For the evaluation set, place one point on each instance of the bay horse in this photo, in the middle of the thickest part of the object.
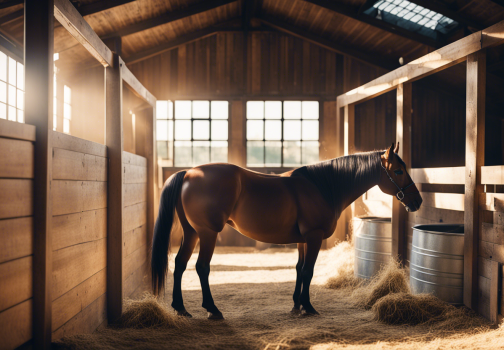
(301, 206)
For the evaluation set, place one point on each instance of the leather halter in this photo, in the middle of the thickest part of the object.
(399, 195)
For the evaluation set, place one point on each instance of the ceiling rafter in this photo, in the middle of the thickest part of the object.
(353, 12)
(169, 17)
(330, 45)
(10, 3)
(498, 2)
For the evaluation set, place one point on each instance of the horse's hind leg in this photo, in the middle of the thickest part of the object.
(208, 239)
(297, 291)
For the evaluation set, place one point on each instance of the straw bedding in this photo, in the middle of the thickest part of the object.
(254, 292)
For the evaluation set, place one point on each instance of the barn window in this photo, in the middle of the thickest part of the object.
(282, 133)
(192, 132)
(11, 89)
(67, 109)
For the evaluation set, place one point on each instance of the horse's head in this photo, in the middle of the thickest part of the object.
(395, 181)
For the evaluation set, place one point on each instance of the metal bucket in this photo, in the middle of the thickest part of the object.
(437, 261)
(372, 244)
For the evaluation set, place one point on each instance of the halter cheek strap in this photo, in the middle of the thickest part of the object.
(399, 195)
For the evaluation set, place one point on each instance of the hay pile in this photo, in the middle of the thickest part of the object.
(338, 272)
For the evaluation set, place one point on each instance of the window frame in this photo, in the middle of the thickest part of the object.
(18, 60)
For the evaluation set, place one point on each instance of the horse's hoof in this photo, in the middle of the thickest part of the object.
(295, 311)
(183, 313)
(309, 312)
(215, 316)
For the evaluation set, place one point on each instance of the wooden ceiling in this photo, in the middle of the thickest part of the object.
(149, 27)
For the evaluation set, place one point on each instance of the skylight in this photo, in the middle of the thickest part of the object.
(411, 16)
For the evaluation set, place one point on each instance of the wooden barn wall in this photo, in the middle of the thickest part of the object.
(79, 227)
(134, 222)
(16, 228)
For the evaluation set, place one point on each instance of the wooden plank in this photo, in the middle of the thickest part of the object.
(133, 261)
(16, 325)
(16, 287)
(453, 175)
(135, 216)
(16, 159)
(491, 201)
(73, 265)
(16, 198)
(485, 267)
(136, 85)
(431, 63)
(72, 143)
(492, 175)
(70, 165)
(134, 159)
(494, 292)
(435, 215)
(115, 146)
(135, 193)
(135, 174)
(86, 321)
(483, 293)
(450, 201)
(349, 130)
(135, 239)
(77, 26)
(79, 228)
(78, 298)
(492, 233)
(15, 130)
(135, 280)
(76, 196)
(39, 77)
(441, 188)
(16, 238)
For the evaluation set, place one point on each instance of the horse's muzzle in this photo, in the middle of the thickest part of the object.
(414, 205)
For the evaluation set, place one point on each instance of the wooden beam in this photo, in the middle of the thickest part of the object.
(115, 145)
(71, 19)
(498, 2)
(403, 136)
(353, 12)
(12, 47)
(136, 85)
(439, 7)
(327, 44)
(168, 17)
(475, 159)
(11, 16)
(431, 63)
(39, 39)
(98, 6)
(449, 176)
(10, 3)
(494, 291)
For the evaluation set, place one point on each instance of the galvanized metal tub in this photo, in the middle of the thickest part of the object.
(437, 261)
(372, 244)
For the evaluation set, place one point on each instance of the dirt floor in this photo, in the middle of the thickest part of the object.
(253, 289)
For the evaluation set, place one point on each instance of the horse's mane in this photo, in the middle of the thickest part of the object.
(341, 180)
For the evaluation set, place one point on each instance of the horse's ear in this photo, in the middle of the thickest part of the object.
(390, 153)
(396, 149)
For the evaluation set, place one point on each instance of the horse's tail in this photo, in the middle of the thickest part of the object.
(162, 230)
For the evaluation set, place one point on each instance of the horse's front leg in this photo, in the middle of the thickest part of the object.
(297, 291)
(313, 244)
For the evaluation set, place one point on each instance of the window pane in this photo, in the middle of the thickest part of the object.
(292, 130)
(161, 109)
(183, 154)
(255, 129)
(66, 126)
(201, 152)
(255, 150)
(219, 130)
(67, 111)
(20, 99)
(310, 152)
(162, 149)
(255, 110)
(162, 130)
(3, 66)
(20, 116)
(182, 130)
(12, 113)
(292, 153)
(201, 109)
(67, 95)
(219, 152)
(310, 109)
(310, 130)
(201, 130)
(182, 109)
(273, 109)
(273, 130)
(12, 71)
(3, 111)
(220, 109)
(273, 153)
(3, 92)
(292, 110)
(20, 76)
(12, 96)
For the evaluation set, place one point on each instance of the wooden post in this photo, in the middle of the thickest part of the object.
(237, 145)
(115, 144)
(403, 136)
(494, 291)
(39, 63)
(348, 148)
(150, 154)
(475, 159)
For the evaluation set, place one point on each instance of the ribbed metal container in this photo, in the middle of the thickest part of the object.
(437, 261)
(372, 244)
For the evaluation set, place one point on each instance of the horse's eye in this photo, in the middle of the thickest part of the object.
(398, 172)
